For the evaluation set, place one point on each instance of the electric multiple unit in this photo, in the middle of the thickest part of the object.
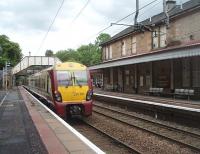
(66, 86)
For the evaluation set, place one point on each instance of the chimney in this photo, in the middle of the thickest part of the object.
(170, 4)
(181, 4)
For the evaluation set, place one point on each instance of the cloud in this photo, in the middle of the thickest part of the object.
(26, 21)
(27, 15)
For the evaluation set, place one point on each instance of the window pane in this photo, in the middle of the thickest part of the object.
(163, 36)
(80, 78)
(110, 52)
(133, 44)
(107, 54)
(155, 35)
(155, 42)
(162, 40)
(64, 78)
(123, 48)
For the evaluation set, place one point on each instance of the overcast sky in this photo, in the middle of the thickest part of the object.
(27, 21)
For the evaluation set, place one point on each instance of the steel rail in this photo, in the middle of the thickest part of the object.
(149, 131)
(109, 136)
(113, 138)
(150, 121)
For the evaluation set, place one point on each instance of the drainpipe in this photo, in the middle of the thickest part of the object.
(166, 13)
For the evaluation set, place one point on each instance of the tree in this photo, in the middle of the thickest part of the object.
(103, 37)
(49, 53)
(67, 55)
(10, 51)
(86, 54)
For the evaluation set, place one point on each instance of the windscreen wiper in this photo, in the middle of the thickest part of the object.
(80, 85)
(67, 85)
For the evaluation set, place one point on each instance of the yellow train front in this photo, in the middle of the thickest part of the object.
(67, 86)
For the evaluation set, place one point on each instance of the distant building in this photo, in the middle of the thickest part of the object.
(153, 55)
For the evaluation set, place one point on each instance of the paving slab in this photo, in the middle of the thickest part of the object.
(18, 133)
(50, 128)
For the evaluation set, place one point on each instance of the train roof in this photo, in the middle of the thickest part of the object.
(66, 66)
(69, 66)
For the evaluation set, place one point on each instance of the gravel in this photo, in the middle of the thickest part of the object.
(143, 141)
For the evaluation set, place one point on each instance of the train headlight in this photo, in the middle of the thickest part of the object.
(57, 96)
(89, 95)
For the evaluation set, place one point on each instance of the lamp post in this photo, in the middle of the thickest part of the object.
(3, 78)
(6, 70)
(1, 51)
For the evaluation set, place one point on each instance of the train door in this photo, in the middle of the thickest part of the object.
(49, 91)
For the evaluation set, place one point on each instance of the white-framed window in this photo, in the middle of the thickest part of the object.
(159, 37)
(107, 52)
(123, 48)
(155, 35)
(163, 31)
(110, 52)
(104, 53)
(133, 50)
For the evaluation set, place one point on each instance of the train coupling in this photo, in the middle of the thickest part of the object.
(75, 110)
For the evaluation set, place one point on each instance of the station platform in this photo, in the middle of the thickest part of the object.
(156, 106)
(27, 126)
(156, 100)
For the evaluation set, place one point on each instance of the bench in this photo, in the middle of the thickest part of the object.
(184, 92)
(109, 87)
(155, 91)
(114, 87)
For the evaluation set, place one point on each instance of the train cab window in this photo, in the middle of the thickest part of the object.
(80, 78)
(64, 78)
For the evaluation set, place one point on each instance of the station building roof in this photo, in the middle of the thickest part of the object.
(176, 11)
(183, 51)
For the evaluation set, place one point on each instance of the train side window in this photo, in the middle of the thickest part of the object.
(48, 84)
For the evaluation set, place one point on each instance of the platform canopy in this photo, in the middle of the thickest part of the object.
(165, 54)
(32, 64)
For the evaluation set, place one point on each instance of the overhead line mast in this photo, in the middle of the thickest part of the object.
(137, 12)
(102, 30)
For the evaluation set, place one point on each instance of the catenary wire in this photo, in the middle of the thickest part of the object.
(138, 17)
(102, 30)
(76, 17)
(79, 13)
(124, 18)
(45, 36)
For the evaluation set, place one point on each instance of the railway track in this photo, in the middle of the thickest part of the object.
(111, 143)
(88, 129)
(183, 137)
(102, 139)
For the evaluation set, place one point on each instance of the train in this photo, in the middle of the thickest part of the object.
(66, 87)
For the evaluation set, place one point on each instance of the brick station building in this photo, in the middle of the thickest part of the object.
(153, 54)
